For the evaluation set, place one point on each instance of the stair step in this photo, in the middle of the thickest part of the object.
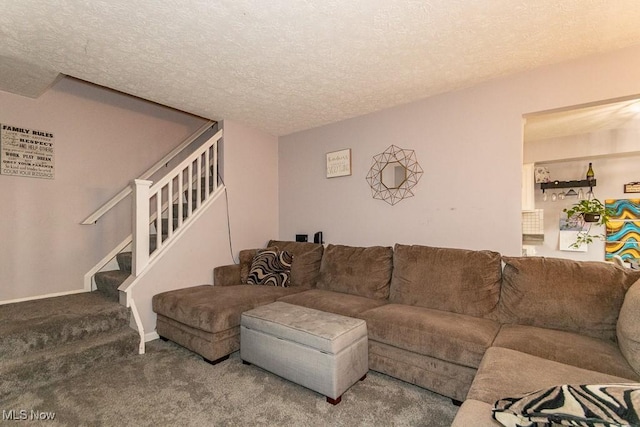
(124, 261)
(203, 180)
(203, 189)
(184, 210)
(47, 366)
(165, 224)
(31, 326)
(108, 282)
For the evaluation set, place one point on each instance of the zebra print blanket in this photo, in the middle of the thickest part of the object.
(600, 405)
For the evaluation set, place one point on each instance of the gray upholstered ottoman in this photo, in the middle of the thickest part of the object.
(322, 351)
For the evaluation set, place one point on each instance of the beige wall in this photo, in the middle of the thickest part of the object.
(251, 176)
(469, 144)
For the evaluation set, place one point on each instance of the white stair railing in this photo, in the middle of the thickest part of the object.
(187, 187)
(190, 187)
(107, 206)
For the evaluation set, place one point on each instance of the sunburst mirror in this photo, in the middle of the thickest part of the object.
(393, 174)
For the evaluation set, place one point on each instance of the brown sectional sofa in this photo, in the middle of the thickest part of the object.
(471, 325)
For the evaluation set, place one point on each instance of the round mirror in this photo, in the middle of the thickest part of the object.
(393, 175)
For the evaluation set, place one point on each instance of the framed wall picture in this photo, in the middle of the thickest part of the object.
(541, 174)
(339, 163)
(632, 187)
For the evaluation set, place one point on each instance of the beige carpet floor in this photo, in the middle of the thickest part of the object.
(171, 386)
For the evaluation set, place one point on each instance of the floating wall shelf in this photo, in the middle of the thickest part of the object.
(567, 184)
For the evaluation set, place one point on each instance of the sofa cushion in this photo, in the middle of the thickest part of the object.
(226, 275)
(446, 378)
(505, 372)
(566, 347)
(305, 268)
(475, 413)
(628, 327)
(333, 302)
(458, 280)
(270, 267)
(577, 296)
(444, 335)
(214, 308)
(358, 271)
(246, 258)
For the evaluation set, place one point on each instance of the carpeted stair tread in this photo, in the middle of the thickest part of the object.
(38, 324)
(124, 261)
(108, 282)
(70, 359)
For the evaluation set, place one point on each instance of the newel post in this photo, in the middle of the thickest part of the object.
(140, 221)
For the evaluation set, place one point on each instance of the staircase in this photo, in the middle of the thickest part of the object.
(44, 341)
(108, 282)
(47, 340)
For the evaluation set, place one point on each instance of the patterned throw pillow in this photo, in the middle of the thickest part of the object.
(271, 267)
(600, 405)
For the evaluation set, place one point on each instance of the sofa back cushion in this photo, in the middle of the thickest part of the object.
(358, 271)
(457, 280)
(577, 296)
(246, 258)
(305, 268)
(628, 328)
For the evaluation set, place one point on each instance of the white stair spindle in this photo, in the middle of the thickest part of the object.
(207, 173)
(198, 180)
(190, 189)
(170, 208)
(180, 195)
(215, 165)
(158, 220)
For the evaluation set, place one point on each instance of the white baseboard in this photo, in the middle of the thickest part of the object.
(151, 336)
(58, 294)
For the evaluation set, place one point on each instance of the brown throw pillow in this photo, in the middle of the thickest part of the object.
(271, 267)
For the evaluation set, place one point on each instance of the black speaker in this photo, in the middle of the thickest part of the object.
(302, 237)
(317, 238)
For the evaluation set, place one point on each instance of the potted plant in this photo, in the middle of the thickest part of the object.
(591, 212)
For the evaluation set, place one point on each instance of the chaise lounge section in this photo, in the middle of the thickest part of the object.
(471, 325)
(206, 319)
(564, 322)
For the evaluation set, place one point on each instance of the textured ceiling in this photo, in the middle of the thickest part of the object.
(288, 65)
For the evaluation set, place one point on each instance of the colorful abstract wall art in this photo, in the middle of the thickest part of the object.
(623, 229)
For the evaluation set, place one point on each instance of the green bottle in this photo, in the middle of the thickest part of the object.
(590, 175)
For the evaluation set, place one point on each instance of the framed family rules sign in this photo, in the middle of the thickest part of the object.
(26, 152)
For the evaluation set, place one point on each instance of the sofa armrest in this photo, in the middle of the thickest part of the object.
(227, 275)
(628, 327)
